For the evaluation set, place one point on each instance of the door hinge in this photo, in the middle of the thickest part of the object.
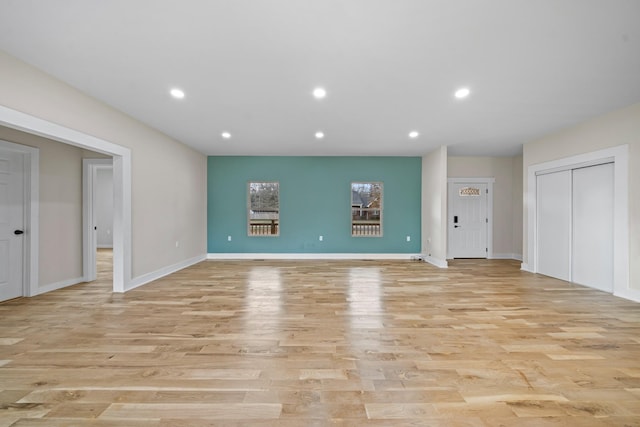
(486, 250)
(487, 190)
(486, 220)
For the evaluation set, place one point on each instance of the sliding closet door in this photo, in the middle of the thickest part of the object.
(592, 263)
(554, 224)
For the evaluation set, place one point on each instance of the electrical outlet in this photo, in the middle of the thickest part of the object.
(408, 238)
(228, 238)
(320, 238)
(177, 243)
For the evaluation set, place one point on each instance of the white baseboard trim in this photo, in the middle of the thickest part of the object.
(165, 271)
(59, 285)
(525, 267)
(517, 257)
(441, 263)
(311, 256)
(105, 246)
(630, 294)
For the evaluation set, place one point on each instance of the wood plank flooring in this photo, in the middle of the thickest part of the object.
(318, 343)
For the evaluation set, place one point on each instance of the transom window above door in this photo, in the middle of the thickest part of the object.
(366, 209)
(263, 216)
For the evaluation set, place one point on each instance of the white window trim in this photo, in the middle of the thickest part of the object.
(249, 209)
(381, 208)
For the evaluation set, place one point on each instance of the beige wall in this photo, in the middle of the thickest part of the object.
(610, 130)
(168, 178)
(505, 189)
(434, 205)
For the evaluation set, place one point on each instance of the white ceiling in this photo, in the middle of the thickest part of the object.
(389, 67)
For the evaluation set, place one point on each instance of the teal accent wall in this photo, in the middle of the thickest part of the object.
(315, 199)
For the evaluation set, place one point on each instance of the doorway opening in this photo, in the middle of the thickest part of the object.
(98, 217)
(121, 157)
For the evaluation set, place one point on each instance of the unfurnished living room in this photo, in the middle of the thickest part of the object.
(319, 213)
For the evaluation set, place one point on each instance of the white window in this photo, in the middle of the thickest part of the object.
(263, 209)
(366, 209)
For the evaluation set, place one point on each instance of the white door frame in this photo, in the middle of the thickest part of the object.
(121, 185)
(620, 156)
(31, 175)
(90, 244)
(489, 182)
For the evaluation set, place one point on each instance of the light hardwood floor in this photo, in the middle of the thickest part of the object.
(310, 343)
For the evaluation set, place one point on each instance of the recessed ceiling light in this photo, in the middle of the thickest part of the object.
(226, 135)
(319, 135)
(177, 93)
(413, 134)
(463, 92)
(319, 92)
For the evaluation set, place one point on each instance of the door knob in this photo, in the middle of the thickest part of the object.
(18, 232)
(456, 226)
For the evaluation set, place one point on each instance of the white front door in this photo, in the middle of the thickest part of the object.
(11, 224)
(468, 220)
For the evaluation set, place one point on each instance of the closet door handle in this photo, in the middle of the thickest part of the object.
(18, 232)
